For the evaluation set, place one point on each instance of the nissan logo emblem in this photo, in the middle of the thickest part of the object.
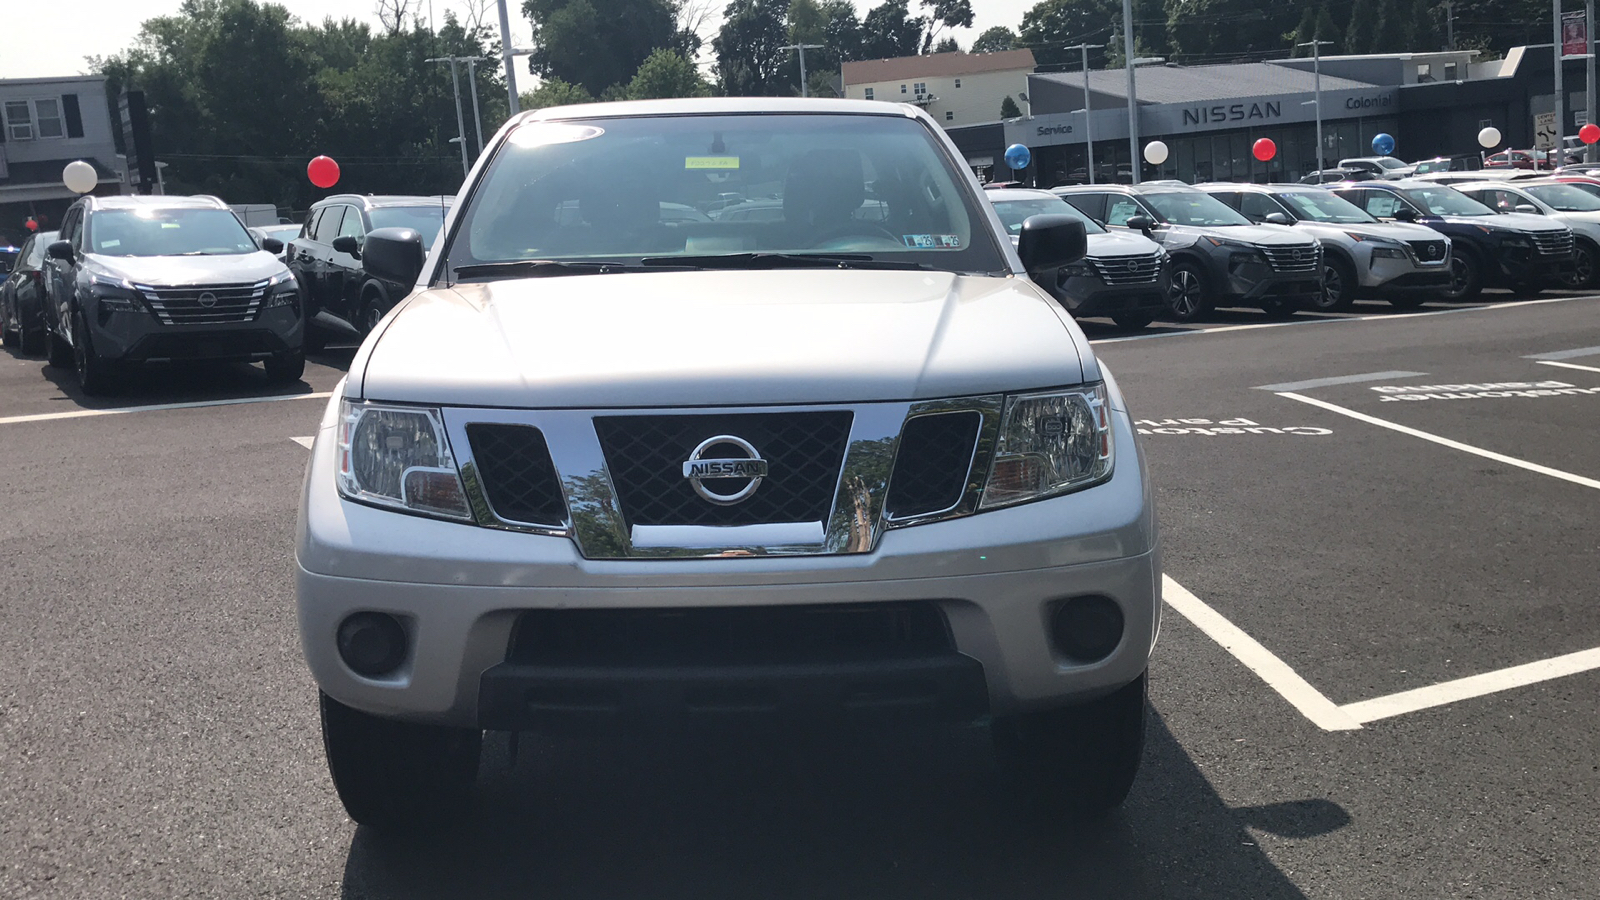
(208, 299)
(703, 466)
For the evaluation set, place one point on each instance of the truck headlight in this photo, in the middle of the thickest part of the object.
(1382, 251)
(282, 290)
(114, 294)
(398, 457)
(1050, 442)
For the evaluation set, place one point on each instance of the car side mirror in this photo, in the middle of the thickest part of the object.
(1141, 223)
(1051, 241)
(1277, 218)
(61, 250)
(1405, 214)
(1528, 208)
(347, 244)
(396, 254)
(272, 245)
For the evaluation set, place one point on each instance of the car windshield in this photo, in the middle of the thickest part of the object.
(1322, 206)
(168, 232)
(1444, 201)
(283, 233)
(1389, 162)
(1564, 197)
(1013, 213)
(871, 187)
(425, 219)
(1193, 208)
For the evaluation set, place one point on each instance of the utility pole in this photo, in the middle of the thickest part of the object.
(514, 106)
(1449, 25)
(461, 122)
(472, 82)
(1316, 69)
(1588, 80)
(1088, 106)
(805, 90)
(1135, 163)
(1561, 106)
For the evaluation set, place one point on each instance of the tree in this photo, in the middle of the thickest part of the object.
(748, 48)
(1008, 109)
(1051, 25)
(944, 14)
(598, 43)
(1215, 29)
(994, 40)
(889, 30)
(395, 15)
(1392, 32)
(947, 45)
(555, 92)
(1425, 33)
(842, 34)
(1358, 37)
(667, 73)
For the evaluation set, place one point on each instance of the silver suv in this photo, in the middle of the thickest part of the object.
(606, 463)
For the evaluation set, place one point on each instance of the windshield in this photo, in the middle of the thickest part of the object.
(425, 219)
(1389, 162)
(1444, 201)
(1013, 213)
(1193, 208)
(167, 232)
(615, 190)
(1564, 197)
(1321, 206)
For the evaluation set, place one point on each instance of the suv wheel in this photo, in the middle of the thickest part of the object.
(1466, 279)
(1583, 267)
(1186, 292)
(94, 372)
(60, 355)
(1338, 287)
(285, 368)
(1081, 760)
(31, 340)
(371, 314)
(398, 776)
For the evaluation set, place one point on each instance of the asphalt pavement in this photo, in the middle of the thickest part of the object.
(1397, 512)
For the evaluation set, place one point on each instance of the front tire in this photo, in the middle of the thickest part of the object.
(94, 372)
(1466, 278)
(1585, 267)
(286, 368)
(1081, 760)
(398, 776)
(60, 355)
(1338, 286)
(1187, 295)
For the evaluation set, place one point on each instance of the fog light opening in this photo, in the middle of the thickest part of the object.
(1087, 629)
(372, 643)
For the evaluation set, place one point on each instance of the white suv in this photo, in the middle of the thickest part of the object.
(606, 463)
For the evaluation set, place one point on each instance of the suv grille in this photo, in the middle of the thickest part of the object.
(931, 468)
(1128, 269)
(205, 305)
(1305, 258)
(803, 450)
(518, 477)
(1553, 243)
(1428, 251)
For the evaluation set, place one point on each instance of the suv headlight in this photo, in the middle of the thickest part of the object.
(114, 294)
(1050, 442)
(1382, 249)
(1517, 239)
(398, 457)
(282, 290)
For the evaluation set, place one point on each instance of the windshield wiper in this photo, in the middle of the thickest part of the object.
(539, 268)
(782, 261)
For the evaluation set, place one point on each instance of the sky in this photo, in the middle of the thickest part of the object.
(32, 42)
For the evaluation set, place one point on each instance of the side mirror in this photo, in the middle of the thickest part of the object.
(1405, 214)
(61, 250)
(1529, 208)
(1051, 241)
(1277, 218)
(1141, 223)
(396, 254)
(272, 245)
(347, 244)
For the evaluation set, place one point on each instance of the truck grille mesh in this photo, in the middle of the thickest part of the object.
(1127, 269)
(204, 305)
(518, 477)
(1428, 251)
(931, 468)
(1305, 258)
(1553, 243)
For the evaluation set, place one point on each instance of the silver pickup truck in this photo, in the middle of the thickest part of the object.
(618, 459)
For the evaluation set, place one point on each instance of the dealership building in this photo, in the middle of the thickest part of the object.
(1434, 104)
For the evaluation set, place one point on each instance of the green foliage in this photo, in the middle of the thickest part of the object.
(747, 47)
(947, 45)
(598, 43)
(994, 40)
(1363, 17)
(1052, 25)
(944, 14)
(842, 35)
(1008, 108)
(555, 92)
(889, 30)
(664, 74)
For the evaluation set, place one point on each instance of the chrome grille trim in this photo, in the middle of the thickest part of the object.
(1552, 243)
(1293, 258)
(181, 305)
(1143, 269)
(1430, 253)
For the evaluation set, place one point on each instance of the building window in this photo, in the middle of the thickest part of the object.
(19, 121)
(1450, 71)
(48, 115)
(949, 116)
(922, 88)
(958, 83)
(28, 120)
(902, 89)
(869, 93)
(1424, 72)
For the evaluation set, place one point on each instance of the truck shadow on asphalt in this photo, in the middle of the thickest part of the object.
(185, 383)
(912, 813)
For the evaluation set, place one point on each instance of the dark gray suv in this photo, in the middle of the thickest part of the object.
(137, 280)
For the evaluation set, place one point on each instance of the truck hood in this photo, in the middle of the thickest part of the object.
(1509, 221)
(161, 271)
(723, 338)
(1262, 235)
(1113, 244)
(1394, 231)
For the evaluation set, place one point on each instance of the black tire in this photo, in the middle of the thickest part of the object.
(1338, 286)
(398, 776)
(1081, 760)
(1466, 278)
(1585, 267)
(32, 341)
(8, 338)
(286, 368)
(1188, 295)
(95, 373)
(1133, 321)
(371, 315)
(1407, 301)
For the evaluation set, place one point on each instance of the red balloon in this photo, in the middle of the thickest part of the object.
(323, 172)
(1589, 133)
(31, 225)
(1264, 149)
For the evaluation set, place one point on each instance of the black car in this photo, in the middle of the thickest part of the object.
(341, 299)
(151, 279)
(22, 296)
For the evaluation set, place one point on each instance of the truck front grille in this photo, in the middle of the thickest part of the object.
(518, 477)
(204, 304)
(1428, 251)
(1553, 243)
(1128, 269)
(1304, 258)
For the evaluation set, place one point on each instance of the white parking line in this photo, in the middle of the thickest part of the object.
(1337, 379)
(154, 407)
(1446, 442)
(1566, 365)
(1567, 354)
(1473, 686)
(1275, 672)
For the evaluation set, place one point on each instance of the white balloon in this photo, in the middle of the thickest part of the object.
(79, 177)
(1155, 153)
(1489, 138)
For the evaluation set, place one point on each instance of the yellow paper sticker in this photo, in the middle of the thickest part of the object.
(711, 162)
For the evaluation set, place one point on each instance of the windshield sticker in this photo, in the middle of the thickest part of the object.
(932, 241)
(539, 134)
(107, 245)
(711, 162)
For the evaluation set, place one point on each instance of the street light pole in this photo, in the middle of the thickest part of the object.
(1561, 118)
(805, 91)
(1088, 107)
(1133, 101)
(461, 122)
(1588, 80)
(1316, 70)
(515, 105)
(472, 82)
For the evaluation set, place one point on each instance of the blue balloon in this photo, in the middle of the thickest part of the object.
(1018, 157)
(1383, 144)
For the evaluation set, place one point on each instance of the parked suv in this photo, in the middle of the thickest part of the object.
(1124, 275)
(22, 296)
(1565, 203)
(1521, 252)
(142, 279)
(1404, 264)
(342, 298)
(1218, 257)
(612, 467)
